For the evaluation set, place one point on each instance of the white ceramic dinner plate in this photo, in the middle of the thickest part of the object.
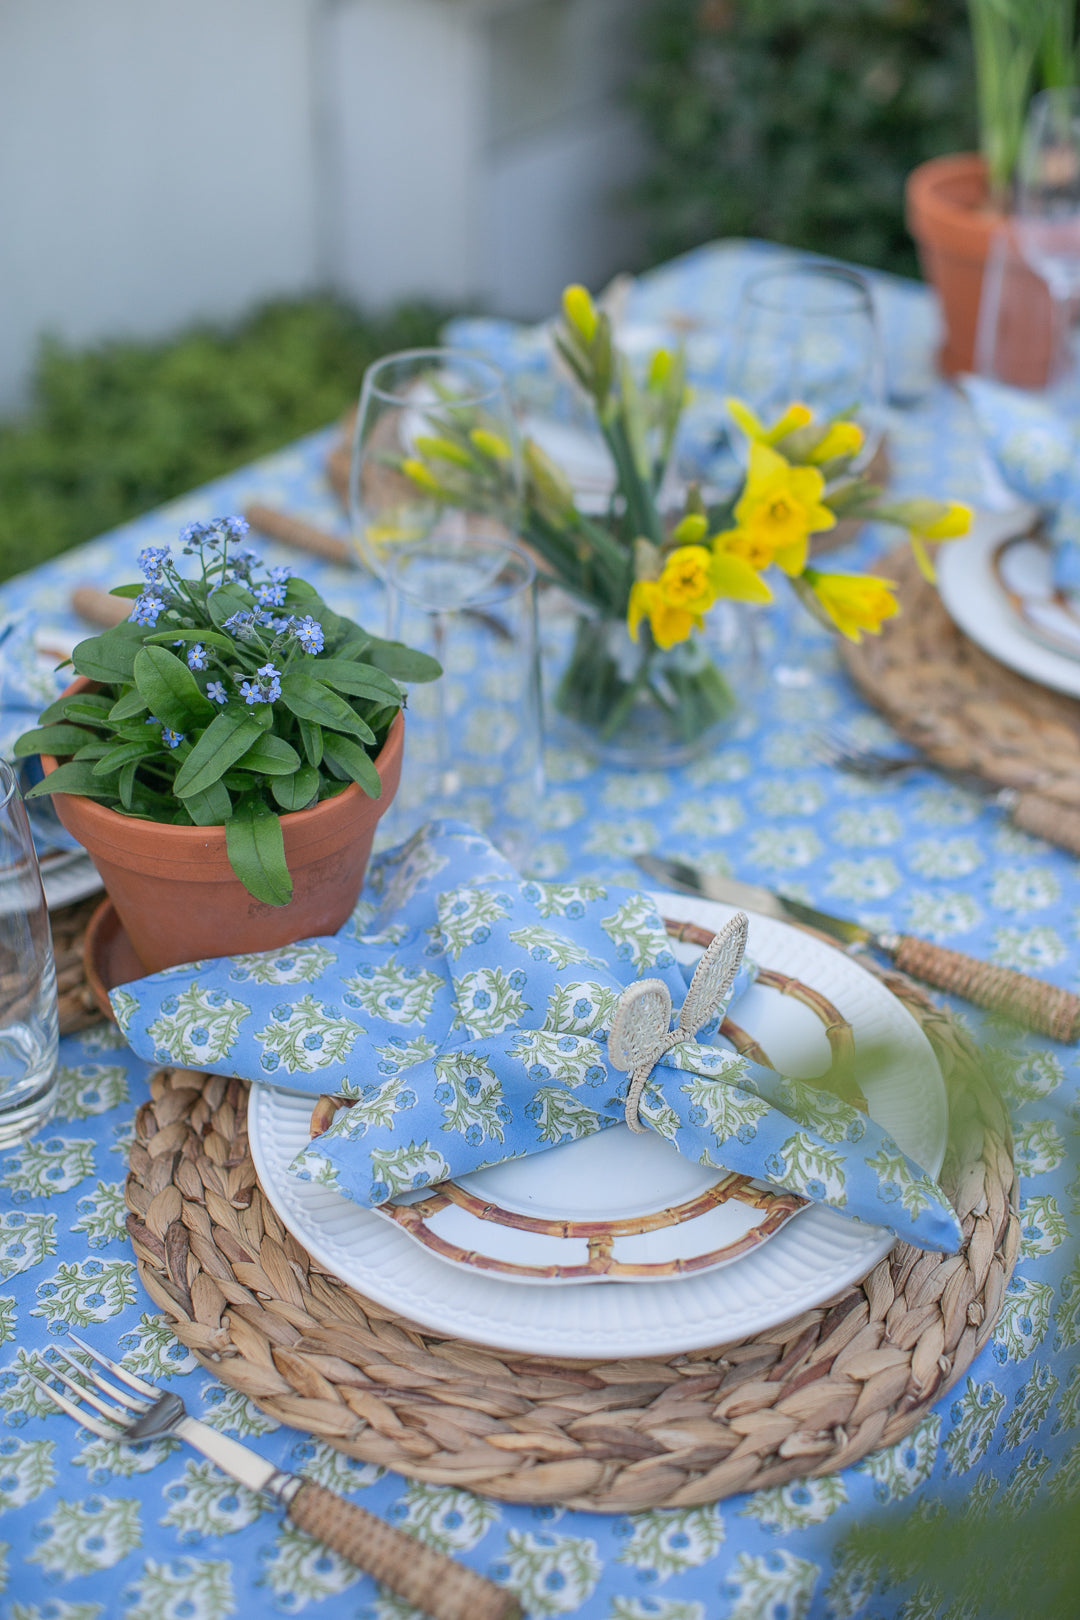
(812, 1257)
(978, 581)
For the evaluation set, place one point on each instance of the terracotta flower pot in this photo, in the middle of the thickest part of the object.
(179, 899)
(949, 215)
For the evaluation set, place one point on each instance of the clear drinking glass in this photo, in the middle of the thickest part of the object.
(29, 1029)
(809, 332)
(1047, 208)
(436, 462)
(474, 738)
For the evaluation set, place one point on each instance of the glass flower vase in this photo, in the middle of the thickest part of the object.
(635, 704)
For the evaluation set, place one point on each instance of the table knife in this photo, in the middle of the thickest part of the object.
(1031, 1002)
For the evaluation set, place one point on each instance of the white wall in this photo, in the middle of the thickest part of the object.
(156, 164)
(168, 160)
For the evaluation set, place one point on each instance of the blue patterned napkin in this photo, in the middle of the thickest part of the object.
(465, 1013)
(1036, 449)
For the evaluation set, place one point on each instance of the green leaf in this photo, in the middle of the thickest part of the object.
(403, 663)
(127, 590)
(169, 688)
(126, 754)
(211, 808)
(256, 852)
(299, 593)
(312, 738)
(75, 777)
(90, 706)
(130, 704)
(126, 784)
(59, 739)
(210, 638)
(340, 751)
(297, 791)
(97, 748)
(359, 680)
(229, 599)
(308, 699)
(109, 657)
(225, 740)
(272, 756)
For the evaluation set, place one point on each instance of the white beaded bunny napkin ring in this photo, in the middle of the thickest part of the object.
(641, 1029)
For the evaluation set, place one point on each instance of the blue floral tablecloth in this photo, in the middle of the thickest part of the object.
(92, 1530)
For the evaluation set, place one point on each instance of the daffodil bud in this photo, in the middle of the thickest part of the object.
(549, 486)
(415, 469)
(492, 445)
(580, 312)
(443, 449)
(691, 530)
(659, 369)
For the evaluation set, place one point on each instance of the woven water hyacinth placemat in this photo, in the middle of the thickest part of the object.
(965, 710)
(811, 1396)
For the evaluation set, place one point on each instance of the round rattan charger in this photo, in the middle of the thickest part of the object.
(809, 1397)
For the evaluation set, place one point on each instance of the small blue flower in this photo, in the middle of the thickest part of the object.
(380, 1192)
(240, 623)
(192, 534)
(171, 738)
(474, 1136)
(517, 979)
(575, 909)
(582, 1007)
(282, 623)
(270, 1061)
(216, 690)
(504, 1112)
(888, 1192)
(481, 999)
(444, 1093)
(147, 607)
(265, 688)
(152, 560)
(196, 658)
(472, 1086)
(309, 633)
(281, 576)
(199, 1036)
(237, 526)
(406, 1099)
(815, 1188)
(270, 595)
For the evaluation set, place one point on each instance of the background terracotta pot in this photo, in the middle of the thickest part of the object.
(179, 899)
(949, 216)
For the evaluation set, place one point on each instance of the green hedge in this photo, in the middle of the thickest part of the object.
(119, 428)
(797, 120)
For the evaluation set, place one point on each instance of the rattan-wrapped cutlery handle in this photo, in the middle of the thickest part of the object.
(293, 531)
(1031, 1002)
(1057, 823)
(100, 607)
(442, 1588)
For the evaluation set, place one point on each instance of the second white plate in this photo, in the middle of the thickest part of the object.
(811, 1258)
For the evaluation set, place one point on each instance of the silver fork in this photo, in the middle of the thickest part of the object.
(442, 1588)
(1026, 808)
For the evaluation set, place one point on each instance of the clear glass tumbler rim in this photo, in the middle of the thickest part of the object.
(761, 289)
(8, 784)
(465, 358)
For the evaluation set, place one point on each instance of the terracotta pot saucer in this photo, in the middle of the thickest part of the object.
(108, 956)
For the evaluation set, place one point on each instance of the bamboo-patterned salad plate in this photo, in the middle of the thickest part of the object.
(611, 1183)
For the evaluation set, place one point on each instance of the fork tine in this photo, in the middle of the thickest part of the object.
(104, 1430)
(139, 1385)
(84, 1394)
(130, 1401)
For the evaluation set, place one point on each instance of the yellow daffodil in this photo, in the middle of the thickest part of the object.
(924, 520)
(796, 416)
(443, 450)
(492, 445)
(686, 579)
(841, 439)
(580, 312)
(777, 512)
(668, 622)
(853, 602)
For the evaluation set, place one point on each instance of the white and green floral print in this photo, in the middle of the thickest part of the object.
(80, 1292)
(668, 1540)
(489, 1000)
(289, 964)
(399, 994)
(196, 1026)
(638, 934)
(90, 1089)
(183, 1589)
(79, 1537)
(777, 1586)
(303, 1037)
(396, 1170)
(550, 1574)
(797, 1505)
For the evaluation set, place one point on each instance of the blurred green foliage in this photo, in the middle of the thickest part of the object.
(116, 429)
(798, 120)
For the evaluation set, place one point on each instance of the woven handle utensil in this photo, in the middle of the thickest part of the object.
(1046, 818)
(434, 1583)
(1032, 1002)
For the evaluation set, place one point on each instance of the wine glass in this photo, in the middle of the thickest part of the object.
(809, 332)
(1047, 211)
(28, 1007)
(436, 462)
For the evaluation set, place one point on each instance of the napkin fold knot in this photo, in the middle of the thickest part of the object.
(641, 1032)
